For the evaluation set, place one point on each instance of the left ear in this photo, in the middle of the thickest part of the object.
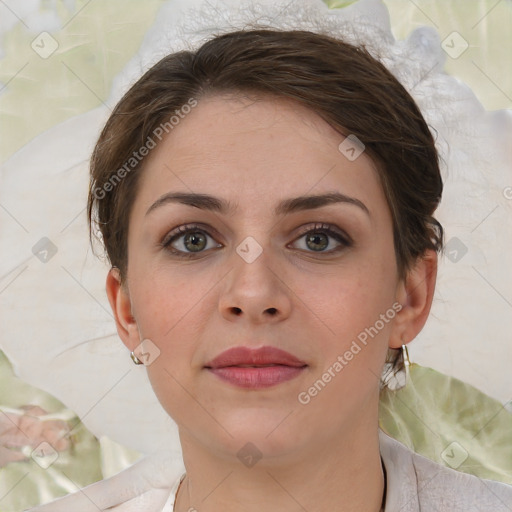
(415, 294)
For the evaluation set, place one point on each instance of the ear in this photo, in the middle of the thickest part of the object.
(120, 303)
(415, 294)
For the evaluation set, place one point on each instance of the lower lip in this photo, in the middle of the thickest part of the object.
(255, 378)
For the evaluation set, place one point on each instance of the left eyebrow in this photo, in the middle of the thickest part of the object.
(284, 207)
(317, 201)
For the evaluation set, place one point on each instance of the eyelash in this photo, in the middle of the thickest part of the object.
(174, 235)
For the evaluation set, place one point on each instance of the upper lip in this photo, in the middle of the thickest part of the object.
(249, 356)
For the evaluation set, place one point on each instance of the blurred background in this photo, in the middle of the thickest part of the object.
(94, 39)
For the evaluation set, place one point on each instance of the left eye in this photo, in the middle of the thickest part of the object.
(317, 238)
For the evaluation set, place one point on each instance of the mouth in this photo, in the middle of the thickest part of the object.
(257, 377)
(255, 368)
(255, 357)
(256, 365)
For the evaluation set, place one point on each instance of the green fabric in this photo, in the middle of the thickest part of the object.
(338, 4)
(451, 423)
(95, 42)
(115, 457)
(26, 484)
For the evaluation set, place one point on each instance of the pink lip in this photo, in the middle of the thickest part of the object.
(256, 367)
(267, 355)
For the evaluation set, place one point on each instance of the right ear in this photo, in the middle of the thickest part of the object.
(120, 303)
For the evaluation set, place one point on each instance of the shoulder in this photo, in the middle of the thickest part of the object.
(416, 483)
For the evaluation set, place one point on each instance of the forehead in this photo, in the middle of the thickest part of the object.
(252, 151)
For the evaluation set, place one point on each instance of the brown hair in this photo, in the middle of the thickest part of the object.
(342, 83)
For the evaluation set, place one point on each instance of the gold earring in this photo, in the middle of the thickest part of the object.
(135, 359)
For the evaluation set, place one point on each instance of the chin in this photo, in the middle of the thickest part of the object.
(267, 433)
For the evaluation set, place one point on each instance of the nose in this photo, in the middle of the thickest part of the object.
(255, 291)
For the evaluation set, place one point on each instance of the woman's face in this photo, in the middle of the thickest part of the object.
(250, 276)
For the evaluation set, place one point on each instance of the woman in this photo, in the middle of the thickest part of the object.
(266, 203)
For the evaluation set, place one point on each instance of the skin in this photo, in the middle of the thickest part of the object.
(322, 455)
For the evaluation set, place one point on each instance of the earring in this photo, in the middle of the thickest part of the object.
(135, 359)
(396, 369)
(407, 362)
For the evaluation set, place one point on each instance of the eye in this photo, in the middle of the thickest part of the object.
(316, 238)
(187, 240)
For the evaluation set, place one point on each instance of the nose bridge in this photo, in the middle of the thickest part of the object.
(252, 268)
(254, 288)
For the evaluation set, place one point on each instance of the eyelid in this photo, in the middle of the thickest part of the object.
(184, 229)
(329, 228)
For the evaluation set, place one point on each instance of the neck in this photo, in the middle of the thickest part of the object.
(342, 474)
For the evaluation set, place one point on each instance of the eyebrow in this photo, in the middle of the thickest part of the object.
(286, 206)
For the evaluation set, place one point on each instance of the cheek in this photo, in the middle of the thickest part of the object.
(354, 294)
(165, 306)
(357, 315)
(353, 308)
(165, 298)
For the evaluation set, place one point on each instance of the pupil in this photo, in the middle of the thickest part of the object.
(195, 239)
(314, 238)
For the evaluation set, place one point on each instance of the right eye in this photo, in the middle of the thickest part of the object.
(191, 239)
